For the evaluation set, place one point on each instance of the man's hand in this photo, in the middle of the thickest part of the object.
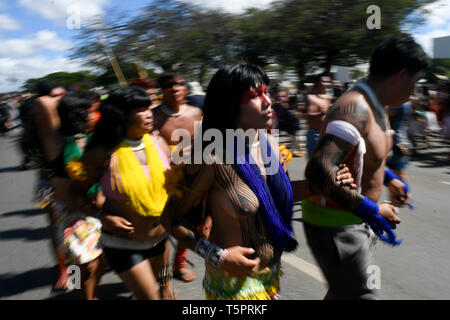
(118, 226)
(237, 264)
(403, 149)
(388, 212)
(398, 195)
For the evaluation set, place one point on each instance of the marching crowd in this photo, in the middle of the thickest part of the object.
(114, 196)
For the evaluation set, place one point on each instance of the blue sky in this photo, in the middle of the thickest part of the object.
(35, 39)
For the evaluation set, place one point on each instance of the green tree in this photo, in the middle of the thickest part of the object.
(304, 35)
(165, 34)
(82, 78)
(441, 66)
(310, 34)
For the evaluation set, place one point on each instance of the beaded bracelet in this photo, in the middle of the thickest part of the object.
(165, 276)
(212, 253)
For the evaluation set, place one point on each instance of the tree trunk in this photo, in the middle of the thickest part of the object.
(328, 62)
(202, 74)
(301, 71)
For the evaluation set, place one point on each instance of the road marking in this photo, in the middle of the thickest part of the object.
(445, 182)
(304, 266)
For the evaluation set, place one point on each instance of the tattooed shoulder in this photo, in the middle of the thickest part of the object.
(354, 111)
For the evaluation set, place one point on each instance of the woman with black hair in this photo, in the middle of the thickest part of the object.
(250, 199)
(77, 235)
(129, 164)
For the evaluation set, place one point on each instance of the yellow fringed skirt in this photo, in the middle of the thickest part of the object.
(264, 285)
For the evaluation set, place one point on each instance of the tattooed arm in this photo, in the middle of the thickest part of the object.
(302, 189)
(331, 151)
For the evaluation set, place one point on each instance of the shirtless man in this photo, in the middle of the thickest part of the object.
(47, 122)
(316, 105)
(287, 121)
(356, 132)
(173, 113)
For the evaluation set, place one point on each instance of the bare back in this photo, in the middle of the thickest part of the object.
(48, 123)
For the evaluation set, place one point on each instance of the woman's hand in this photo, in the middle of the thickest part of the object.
(237, 264)
(118, 226)
(344, 177)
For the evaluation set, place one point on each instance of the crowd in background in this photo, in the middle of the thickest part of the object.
(427, 113)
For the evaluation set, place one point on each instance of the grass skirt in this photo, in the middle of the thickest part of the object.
(264, 285)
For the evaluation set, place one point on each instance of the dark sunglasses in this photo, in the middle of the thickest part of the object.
(172, 84)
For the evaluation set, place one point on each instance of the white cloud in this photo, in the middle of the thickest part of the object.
(235, 6)
(437, 24)
(426, 39)
(8, 23)
(61, 9)
(439, 13)
(30, 45)
(15, 71)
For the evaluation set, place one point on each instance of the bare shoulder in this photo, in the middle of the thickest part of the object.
(45, 104)
(308, 98)
(201, 175)
(46, 115)
(351, 107)
(193, 111)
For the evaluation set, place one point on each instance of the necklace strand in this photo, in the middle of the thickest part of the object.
(136, 145)
(169, 112)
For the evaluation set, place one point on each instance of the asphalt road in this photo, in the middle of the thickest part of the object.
(418, 269)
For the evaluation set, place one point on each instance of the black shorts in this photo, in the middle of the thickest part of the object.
(123, 259)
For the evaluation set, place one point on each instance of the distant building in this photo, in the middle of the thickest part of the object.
(341, 73)
(441, 48)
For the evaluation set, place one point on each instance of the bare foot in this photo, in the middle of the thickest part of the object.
(184, 274)
(61, 284)
(168, 293)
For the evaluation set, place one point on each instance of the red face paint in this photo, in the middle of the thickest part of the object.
(59, 94)
(254, 93)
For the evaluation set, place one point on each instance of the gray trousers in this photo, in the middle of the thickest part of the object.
(344, 254)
